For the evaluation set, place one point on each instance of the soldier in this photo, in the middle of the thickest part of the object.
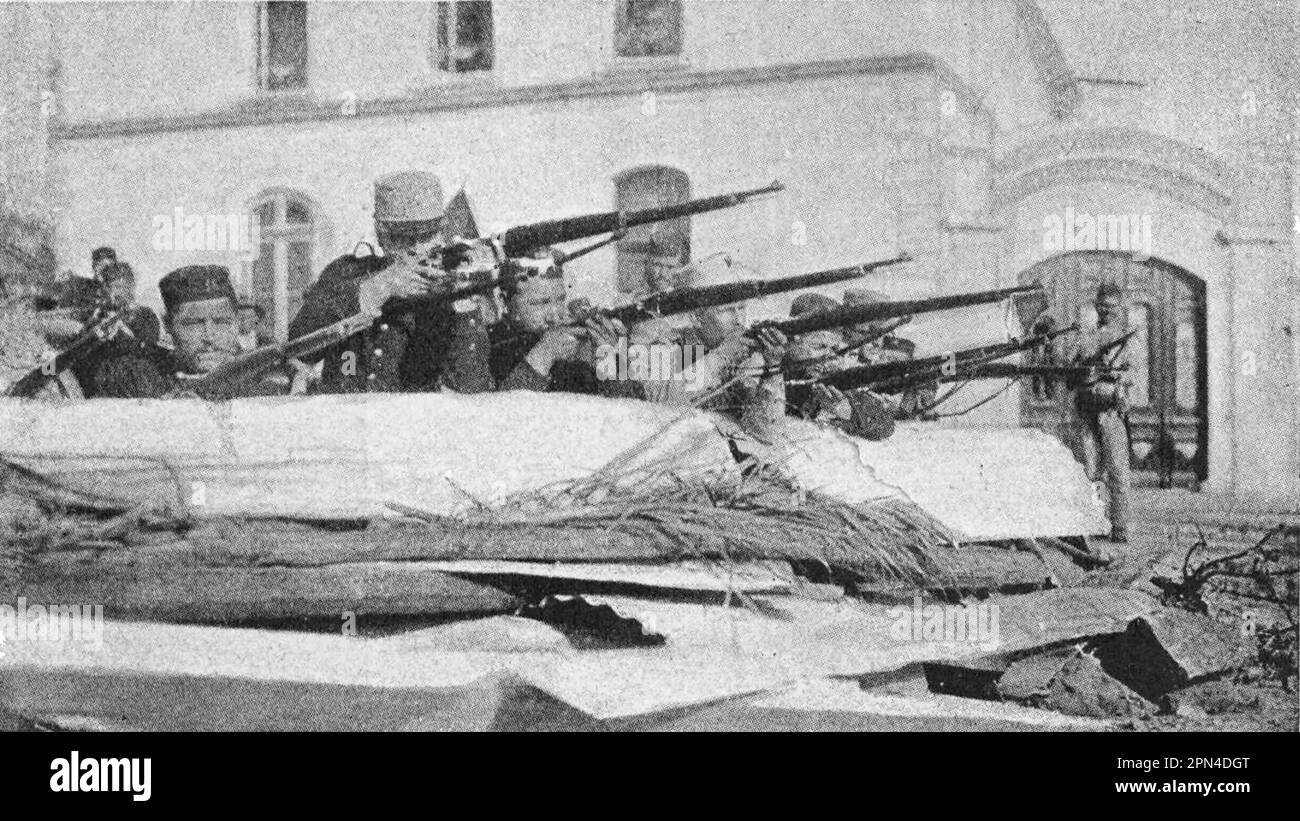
(889, 347)
(536, 347)
(818, 353)
(1102, 405)
(201, 318)
(417, 342)
(142, 329)
(740, 374)
(664, 270)
(100, 258)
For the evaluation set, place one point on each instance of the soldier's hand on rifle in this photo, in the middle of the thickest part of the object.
(556, 344)
(771, 343)
(604, 330)
(397, 281)
(832, 399)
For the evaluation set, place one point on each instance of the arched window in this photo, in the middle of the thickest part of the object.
(286, 262)
(651, 187)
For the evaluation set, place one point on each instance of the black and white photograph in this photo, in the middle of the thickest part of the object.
(651, 366)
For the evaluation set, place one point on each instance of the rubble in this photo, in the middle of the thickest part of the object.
(1173, 648)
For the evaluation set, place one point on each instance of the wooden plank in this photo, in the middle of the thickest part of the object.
(187, 593)
(279, 544)
(71, 699)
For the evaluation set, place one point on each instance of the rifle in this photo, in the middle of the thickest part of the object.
(877, 311)
(1073, 374)
(866, 339)
(898, 377)
(521, 240)
(1106, 353)
(683, 300)
(106, 327)
(227, 379)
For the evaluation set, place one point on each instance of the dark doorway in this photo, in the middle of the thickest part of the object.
(1166, 304)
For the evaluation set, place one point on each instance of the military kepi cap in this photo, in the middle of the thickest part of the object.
(805, 304)
(408, 196)
(855, 297)
(195, 283)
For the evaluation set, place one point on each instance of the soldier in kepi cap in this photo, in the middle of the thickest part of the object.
(417, 342)
(200, 315)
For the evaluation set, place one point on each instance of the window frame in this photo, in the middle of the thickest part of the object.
(625, 246)
(435, 52)
(648, 61)
(280, 235)
(262, 54)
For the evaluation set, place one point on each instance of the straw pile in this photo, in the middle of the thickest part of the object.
(756, 516)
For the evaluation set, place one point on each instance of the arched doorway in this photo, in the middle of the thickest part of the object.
(1166, 305)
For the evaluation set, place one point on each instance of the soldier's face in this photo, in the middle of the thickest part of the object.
(717, 324)
(662, 273)
(815, 353)
(206, 333)
(121, 291)
(1107, 309)
(410, 241)
(539, 303)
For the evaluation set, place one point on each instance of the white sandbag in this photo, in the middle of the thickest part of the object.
(344, 456)
(351, 456)
(984, 484)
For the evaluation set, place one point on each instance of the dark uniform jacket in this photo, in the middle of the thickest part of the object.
(153, 372)
(145, 330)
(414, 346)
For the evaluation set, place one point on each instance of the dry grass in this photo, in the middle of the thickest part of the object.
(723, 519)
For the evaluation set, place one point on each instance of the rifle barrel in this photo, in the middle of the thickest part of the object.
(1010, 370)
(888, 310)
(682, 300)
(522, 239)
(892, 377)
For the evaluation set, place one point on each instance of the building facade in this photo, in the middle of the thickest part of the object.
(997, 142)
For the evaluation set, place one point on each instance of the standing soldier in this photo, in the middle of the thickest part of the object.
(417, 342)
(1102, 404)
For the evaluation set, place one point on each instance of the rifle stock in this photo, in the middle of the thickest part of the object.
(229, 378)
(97, 332)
